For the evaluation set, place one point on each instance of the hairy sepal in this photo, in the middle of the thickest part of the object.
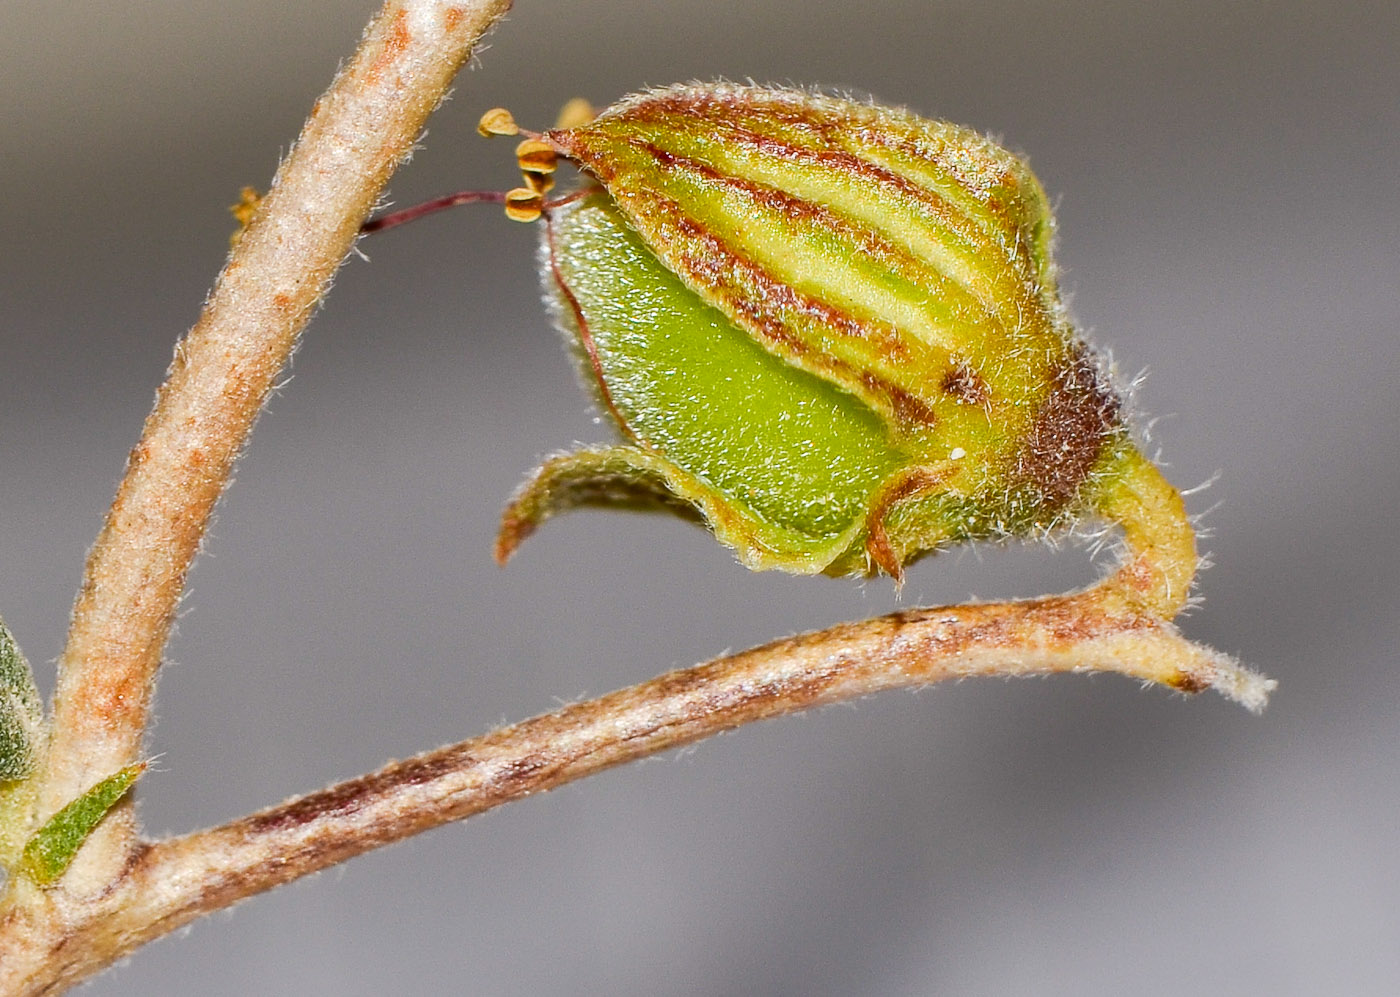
(831, 328)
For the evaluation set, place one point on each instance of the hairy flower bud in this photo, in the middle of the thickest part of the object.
(830, 328)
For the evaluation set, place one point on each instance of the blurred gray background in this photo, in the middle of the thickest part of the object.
(1227, 189)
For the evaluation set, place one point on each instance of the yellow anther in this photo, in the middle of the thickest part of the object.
(540, 183)
(243, 211)
(535, 156)
(575, 113)
(497, 121)
(524, 204)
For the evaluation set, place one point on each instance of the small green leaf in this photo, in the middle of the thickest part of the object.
(21, 711)
(53, 846)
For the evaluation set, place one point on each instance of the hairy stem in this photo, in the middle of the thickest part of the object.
(358, 132)
(356, 135)
(170, 883)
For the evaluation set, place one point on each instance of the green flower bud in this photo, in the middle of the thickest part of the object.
(829, 329)
(21, 713)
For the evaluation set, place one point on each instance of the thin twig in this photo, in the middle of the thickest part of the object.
(357, 133)
(170, 883)
(396, 218)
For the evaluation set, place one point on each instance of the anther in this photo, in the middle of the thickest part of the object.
(497, 121)
(536, 156)
(574, 114)
(540, 183)
(524, 204)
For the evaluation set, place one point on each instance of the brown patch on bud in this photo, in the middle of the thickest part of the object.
(1069, 432)
(908, 408)
(906, 484)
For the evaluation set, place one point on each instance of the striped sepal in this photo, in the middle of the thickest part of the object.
(906, 260)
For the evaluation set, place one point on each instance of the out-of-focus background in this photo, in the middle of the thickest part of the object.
(1227, 188)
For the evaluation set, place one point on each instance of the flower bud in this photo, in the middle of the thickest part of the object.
(830, 329)
(21, 717)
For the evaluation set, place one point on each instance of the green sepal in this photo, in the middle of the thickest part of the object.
(49, 852)
(629, 477)
(780, 464)
(789, 468)
(682, 380)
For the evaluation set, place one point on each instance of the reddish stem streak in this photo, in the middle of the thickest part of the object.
(396, 218)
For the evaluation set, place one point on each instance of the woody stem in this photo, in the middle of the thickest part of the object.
(170, 883)
(222, 372)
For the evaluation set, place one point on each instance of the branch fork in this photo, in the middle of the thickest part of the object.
(123, 890)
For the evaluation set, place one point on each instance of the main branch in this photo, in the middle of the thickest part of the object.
(168, 884)
(357, 133)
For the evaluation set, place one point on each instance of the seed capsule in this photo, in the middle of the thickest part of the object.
(831, 329)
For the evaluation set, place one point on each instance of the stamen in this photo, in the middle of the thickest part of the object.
(540, 183)
(536, 156)
(397, 218)
(524, 204)
(497, 121)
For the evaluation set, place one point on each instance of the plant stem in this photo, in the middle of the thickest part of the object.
(168, 884)
(848, 661)
(358, 132)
